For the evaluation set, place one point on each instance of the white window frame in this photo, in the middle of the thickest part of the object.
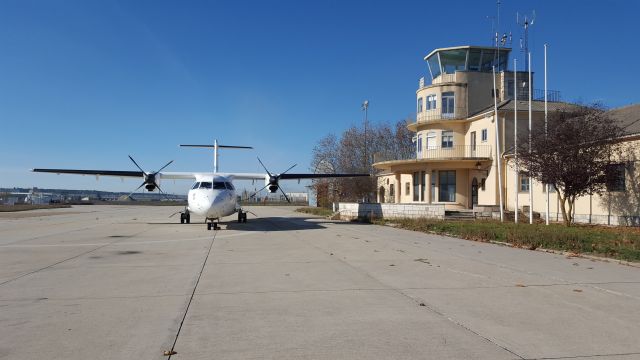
(484, 135)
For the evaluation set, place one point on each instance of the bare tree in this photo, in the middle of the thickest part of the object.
(573, 155)
(353, 152)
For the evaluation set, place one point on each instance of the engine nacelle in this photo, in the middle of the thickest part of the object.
(150, 187)
(273, 188)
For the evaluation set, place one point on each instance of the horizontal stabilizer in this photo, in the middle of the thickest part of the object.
(219, 146)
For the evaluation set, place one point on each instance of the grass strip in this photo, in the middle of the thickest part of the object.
(618, 243)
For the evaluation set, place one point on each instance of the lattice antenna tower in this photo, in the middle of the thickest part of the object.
(525, 22)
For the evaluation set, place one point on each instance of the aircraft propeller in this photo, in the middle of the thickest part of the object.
(273, 184)
(149, 182)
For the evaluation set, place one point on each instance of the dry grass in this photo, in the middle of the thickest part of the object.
(619, 243)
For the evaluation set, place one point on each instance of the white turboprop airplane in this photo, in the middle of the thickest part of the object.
(213, 194)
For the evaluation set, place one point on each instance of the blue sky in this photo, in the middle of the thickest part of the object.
(85, 83)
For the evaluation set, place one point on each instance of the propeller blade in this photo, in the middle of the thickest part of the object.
(264, 167)
(162, 192)
(256, 193)
(138, 188)
(162, 168)
(285, 195)
(138, 166)
(294, 165)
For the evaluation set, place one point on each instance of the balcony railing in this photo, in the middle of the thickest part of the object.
(455, 152)
(438, 115)
(537, 95)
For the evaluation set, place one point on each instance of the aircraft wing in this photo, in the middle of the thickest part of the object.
(120, 173)
(318, 176)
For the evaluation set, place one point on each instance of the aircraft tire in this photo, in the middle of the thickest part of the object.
(188, 219)
(181, 218)
(244, 217)
(208, 226)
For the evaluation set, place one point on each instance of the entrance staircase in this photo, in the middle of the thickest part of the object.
(458, 215)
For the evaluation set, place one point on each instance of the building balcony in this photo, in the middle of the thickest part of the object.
(437, 115)
(455, 152)
(440, 79)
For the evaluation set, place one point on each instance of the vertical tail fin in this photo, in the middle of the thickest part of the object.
(215, 147)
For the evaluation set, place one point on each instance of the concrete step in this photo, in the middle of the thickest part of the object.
(459, 215)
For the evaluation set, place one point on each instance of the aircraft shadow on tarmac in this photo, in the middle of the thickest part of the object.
(271, 224)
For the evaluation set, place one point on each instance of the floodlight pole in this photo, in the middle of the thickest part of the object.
(530, 182)
(365, 107)
(497, 135)
(515, 135)
(546, 216)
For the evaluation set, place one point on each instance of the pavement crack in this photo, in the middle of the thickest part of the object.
(172, 351)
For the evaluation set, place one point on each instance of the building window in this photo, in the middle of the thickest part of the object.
(510, 85)
(392, 192)
(447, 188)
(484, 135)
(524, 182)
(616, 177)
(431, 140)
(416, 186)
(448, 103)
(482, 183)
(447, 139)
(407, 188)
(419, 105)
(431, 102)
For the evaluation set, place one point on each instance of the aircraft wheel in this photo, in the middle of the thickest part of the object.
(208, 226)
(244, 217)
(239, 216)
(188, 219)
(181, 218)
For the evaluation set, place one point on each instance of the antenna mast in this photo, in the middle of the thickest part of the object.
(524, 43)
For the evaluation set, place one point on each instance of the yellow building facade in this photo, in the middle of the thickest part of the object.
(456, 155)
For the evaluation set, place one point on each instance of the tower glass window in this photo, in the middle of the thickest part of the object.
(420, 105)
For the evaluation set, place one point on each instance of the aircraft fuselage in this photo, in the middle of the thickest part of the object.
(213, 198)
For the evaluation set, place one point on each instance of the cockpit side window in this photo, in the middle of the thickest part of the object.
(229, 186)
(218, 185)
(196, 185)
(205, 185)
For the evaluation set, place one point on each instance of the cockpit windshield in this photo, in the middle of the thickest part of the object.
(205, 185)
(196, 185)
(229, 186)
(219, 185)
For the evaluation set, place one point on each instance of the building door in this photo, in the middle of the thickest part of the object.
(382, 194)
(473, 144)
(474, 192)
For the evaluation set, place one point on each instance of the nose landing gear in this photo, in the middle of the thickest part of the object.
(242, 216)
(185, 217)
(213, 225)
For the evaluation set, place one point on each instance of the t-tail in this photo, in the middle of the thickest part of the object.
(215, 147)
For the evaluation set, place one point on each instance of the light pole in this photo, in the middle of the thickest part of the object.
(365, 107)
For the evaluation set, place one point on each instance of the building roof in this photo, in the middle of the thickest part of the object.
(523, 105)
(466, 47)
(629, 118)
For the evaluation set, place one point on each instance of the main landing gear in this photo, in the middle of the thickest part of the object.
(242, 216)
(185, 217)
